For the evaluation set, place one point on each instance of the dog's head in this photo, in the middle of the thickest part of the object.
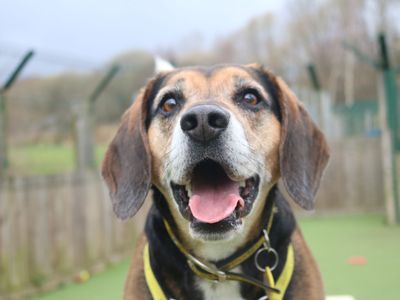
(214, 141)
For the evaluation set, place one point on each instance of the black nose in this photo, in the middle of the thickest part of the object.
(205, 122)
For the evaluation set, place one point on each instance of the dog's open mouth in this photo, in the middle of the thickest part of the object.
(212, 197)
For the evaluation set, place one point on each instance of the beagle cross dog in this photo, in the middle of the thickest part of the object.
(212, 143)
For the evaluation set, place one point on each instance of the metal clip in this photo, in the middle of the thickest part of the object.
(267, 243)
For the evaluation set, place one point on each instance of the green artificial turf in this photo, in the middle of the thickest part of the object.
(105, 286)
(332, 239)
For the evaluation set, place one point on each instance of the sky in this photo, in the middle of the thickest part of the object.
(83, 34)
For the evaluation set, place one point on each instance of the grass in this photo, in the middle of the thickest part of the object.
(45, 158)
(332, 239)
(105, 286)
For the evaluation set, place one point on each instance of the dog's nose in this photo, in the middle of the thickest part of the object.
(205, 122)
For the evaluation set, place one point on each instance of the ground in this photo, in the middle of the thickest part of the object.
(333, 239)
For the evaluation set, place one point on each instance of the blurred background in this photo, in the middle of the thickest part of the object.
(69, 69)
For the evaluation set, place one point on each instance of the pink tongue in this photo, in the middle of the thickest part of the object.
(213, 203)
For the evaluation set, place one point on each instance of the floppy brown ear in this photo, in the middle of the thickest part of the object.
(303, 150)
(126, 166)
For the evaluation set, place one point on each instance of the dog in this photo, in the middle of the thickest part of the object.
(212, 143)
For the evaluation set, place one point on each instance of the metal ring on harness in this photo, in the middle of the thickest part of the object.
(268, 250)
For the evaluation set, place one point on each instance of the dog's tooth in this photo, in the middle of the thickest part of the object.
(189, 190)
(242, 183)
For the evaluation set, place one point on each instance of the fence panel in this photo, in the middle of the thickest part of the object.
(353, 181)
(53, 226)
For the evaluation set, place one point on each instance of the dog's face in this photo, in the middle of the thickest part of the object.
(208, 155)
(214, 141)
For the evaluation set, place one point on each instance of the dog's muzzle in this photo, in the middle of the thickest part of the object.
(214, 182)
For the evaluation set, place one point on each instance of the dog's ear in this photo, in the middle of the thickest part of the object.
(127, 166)
(303, 150)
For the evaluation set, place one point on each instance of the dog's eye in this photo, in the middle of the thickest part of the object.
(250, 99)
(169, 105)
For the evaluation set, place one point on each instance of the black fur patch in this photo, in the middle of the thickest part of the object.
(166, 260)
(157, 85)
(269, 87)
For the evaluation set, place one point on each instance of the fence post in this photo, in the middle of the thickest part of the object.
(314, 79)
(3, 139)
(388, 158)
(389, 124)
(389, 82)
(85, 124)
(85, 158)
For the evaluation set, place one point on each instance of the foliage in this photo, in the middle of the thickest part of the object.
(44, 109)
(313, 32)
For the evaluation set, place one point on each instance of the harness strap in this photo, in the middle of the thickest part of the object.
(238, 260)
(151, 280)
(287, 273)
(284, 278)
(235, 261)
(234, 277)
(209, 271)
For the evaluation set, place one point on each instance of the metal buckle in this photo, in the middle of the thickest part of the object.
(208, 267)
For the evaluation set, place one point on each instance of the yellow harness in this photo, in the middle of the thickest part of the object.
(275, 289)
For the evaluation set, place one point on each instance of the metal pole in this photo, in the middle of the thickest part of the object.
(314, 79)
(390, 125)
(103, 84)
(3, 139)
(86, 123)
(387, 156)
(312, 74)
(389, 80)
(4, 163)
(389, 75)
(14, 75)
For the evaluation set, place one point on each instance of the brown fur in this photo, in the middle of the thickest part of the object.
(309, 286)
(135, 285)
(216, 88)
(294, 150)
(301, 162)
(125, 180)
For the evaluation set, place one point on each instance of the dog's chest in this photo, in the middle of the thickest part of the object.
(228, 290)
(220, 290)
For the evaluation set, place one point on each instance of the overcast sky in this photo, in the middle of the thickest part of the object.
(79, 34)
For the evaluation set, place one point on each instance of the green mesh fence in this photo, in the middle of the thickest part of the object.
(359, 118)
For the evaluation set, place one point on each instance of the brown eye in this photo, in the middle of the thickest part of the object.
(250, 99)
(169, 105)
